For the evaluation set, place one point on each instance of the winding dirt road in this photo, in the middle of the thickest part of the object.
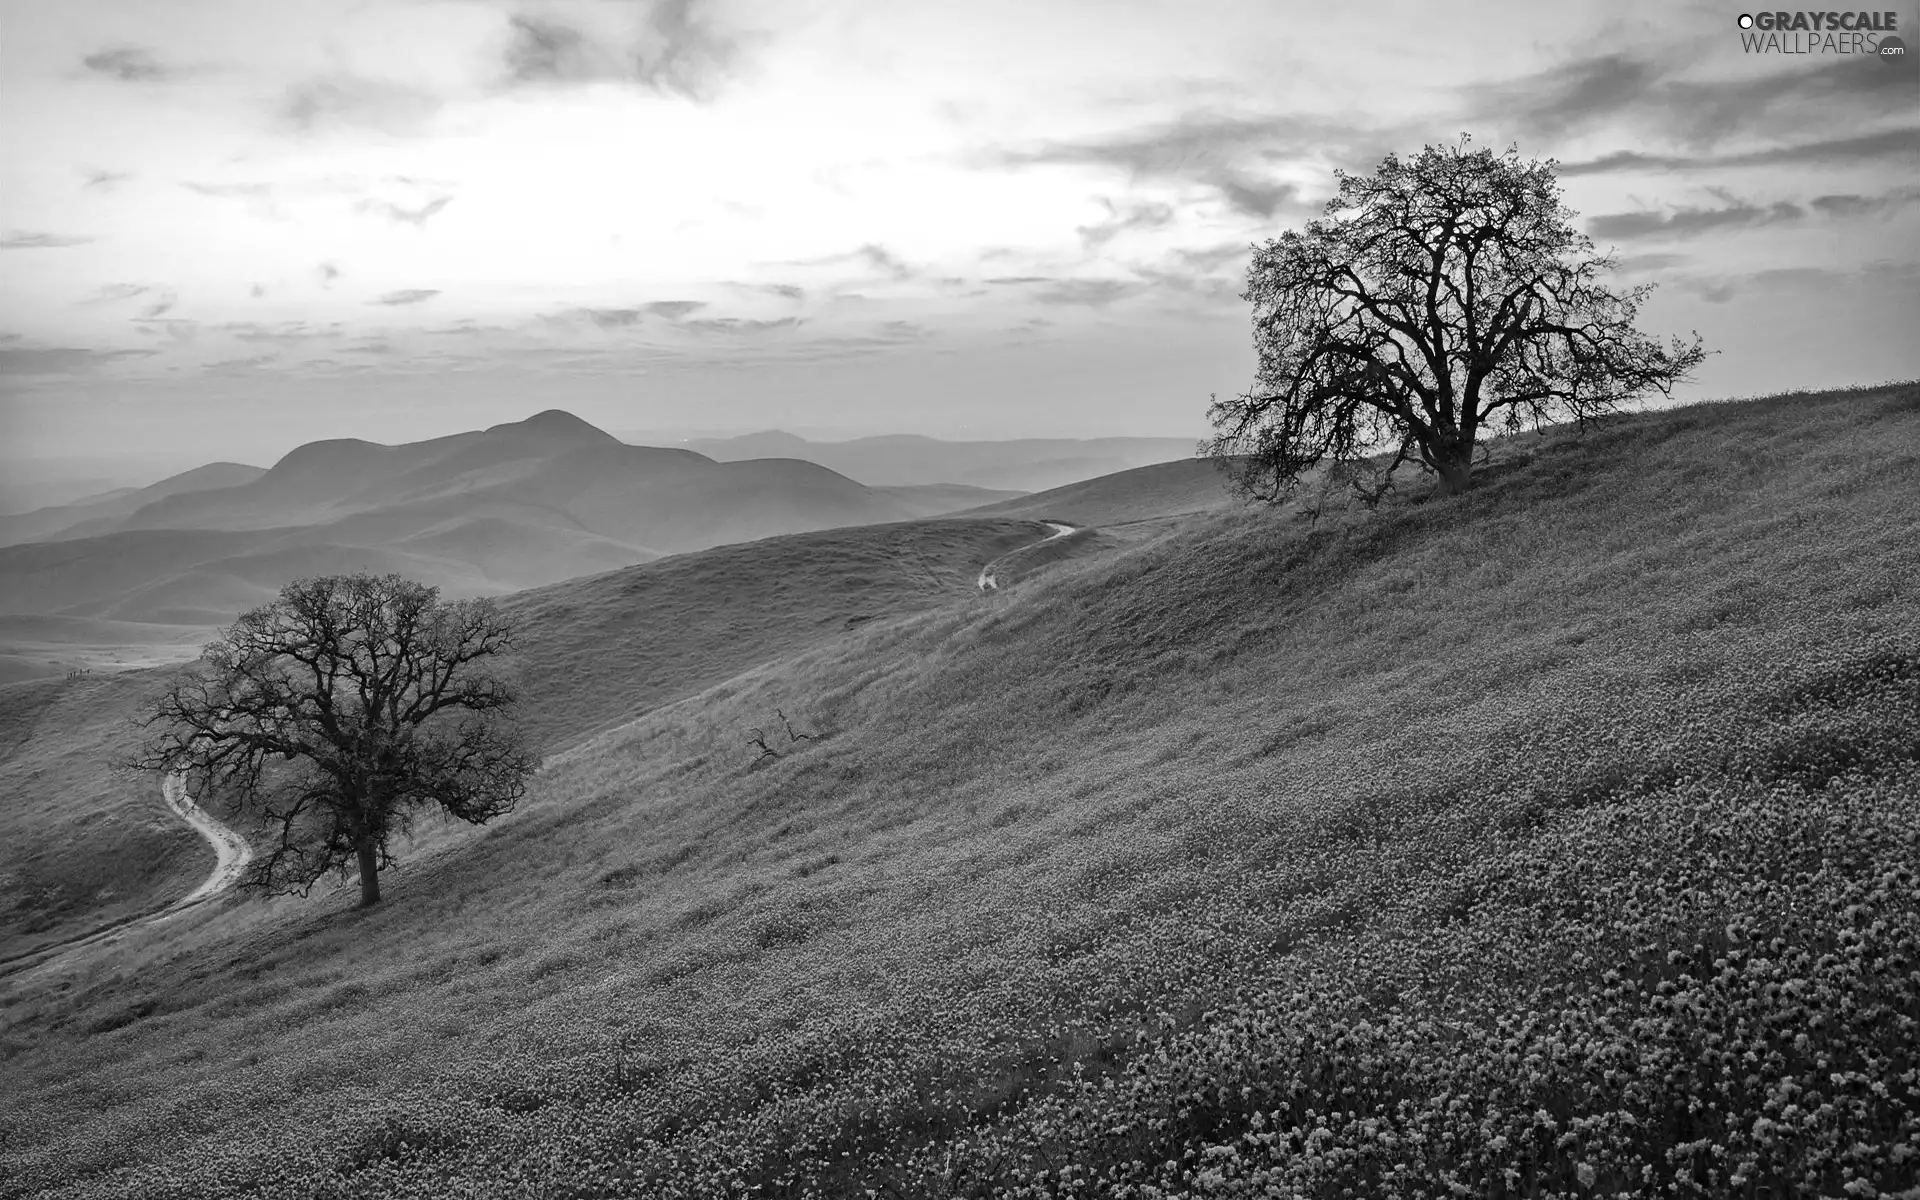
(231, 852)
(231, 856)
(987, 581)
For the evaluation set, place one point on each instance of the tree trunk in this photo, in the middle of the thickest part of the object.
(369, 873)
(1456, 472)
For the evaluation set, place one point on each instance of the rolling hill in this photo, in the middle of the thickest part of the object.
(1149, 494)
(590, 653)
(514, 506)
(1418, 848)
(599, 651)
(1022, 464)
(101, 510)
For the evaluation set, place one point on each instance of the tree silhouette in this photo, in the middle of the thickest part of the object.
(333, 715)
(1435, 300)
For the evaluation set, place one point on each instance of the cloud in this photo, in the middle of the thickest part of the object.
(542, 50)
(1225, 153)
(1567, 96)
(262, 198)
(232, 191)
(884, 261)
(1094, 293)
(682, 52)
(416, 217)
(873, 256)
(347, 101)
(1209, 258)
(130, 64)
(1588, 93)
(1738, 214)
(677, 49)
(408, 296)
(1120, 220)
(281, 333)
(60, 360)
(1634, 264)
(1720, 289)
(1837, 94)
(1847, 205)
(179, 329)
(1692, 222)
(241, 366)
(628, 317)
(1899, 145)
(24, 240)
(672, 310)
(740, 326)
(114, 292)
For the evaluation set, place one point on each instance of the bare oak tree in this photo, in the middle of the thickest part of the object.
(333, 715)
(1435, 300)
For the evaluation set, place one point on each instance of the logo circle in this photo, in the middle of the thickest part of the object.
(1892, 49)
(1746, 21)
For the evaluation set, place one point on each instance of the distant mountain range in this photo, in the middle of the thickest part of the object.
(1022, 465)
(120, 502)
(515, 506)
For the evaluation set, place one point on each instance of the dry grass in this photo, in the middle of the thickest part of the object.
(1468, 840)
(86, 845)
(598, 651)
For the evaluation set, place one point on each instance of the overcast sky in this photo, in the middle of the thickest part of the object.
(229, 226)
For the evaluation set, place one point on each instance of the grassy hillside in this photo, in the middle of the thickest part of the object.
(1145, 496)
(933, 499)
(43, 647)
(1557, 839)
(597, 651)
(594, 652)
(85, 845)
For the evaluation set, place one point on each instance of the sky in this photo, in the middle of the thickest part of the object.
(231, 226)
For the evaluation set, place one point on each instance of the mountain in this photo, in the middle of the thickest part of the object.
(514, 506)
(1023, 465)
(106, 507)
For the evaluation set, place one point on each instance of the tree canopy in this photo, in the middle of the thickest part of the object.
(1436, 300)
(333, 715)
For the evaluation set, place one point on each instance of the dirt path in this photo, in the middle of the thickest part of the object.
(231, 856)
(988, 582)
(231, 852)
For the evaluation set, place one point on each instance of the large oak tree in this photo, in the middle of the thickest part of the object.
(332, 716)
(1437, 300)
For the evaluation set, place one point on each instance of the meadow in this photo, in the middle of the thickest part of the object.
(1553, 840)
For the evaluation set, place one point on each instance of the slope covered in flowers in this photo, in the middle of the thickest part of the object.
(1554, 840)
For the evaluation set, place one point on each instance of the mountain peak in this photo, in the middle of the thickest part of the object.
(554, 425)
